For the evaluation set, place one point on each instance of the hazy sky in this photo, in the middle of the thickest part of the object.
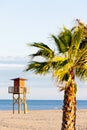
(26, 21)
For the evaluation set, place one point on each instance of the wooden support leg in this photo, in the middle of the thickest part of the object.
(18, 103)
(13, 103)
(25, 105)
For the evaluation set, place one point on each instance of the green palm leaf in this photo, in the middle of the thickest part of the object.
(60, 46)
(43, 51)
(76, 40)
(63, 40)
(39, 67)
(63, 73)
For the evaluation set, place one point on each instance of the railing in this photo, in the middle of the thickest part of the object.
(17, 90)
(10, 89)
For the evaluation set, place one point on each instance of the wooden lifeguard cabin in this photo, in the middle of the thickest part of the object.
(19, 89)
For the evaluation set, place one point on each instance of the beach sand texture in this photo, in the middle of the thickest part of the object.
(39, 120)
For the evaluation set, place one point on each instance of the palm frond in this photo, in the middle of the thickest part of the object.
(59, 58)
(81, 64)
(82, 72)
(63, 40)
(60, 46)
(40, 45)
(77, 37)
(66, 37)
(83, 44)
(63, 72)
(39, 67)
(81, 58)
(76, 40)
(84, 34)
(59, 62)
(44, 50)
(61, 88)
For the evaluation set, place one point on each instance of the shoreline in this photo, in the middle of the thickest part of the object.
(77, 109)
(41, 104)
(39, 120)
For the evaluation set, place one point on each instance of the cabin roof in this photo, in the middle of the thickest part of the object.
(19, 78)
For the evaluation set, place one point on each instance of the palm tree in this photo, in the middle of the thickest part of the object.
(69, 59)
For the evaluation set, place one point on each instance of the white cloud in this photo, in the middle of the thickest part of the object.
(10, 66)
(12, 62)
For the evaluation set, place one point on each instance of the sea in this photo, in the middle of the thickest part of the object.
(41, 104)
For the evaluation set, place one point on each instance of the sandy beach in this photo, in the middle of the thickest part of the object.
(38, 120)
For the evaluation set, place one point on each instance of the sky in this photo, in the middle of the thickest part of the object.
(27, 21)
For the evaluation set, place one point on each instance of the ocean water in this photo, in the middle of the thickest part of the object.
(41, 104)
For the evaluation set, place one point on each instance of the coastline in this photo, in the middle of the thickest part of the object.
(41, 104)
(39, 120)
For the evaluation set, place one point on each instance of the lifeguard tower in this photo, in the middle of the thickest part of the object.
(19, 93)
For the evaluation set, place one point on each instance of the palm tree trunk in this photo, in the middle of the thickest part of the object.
(69, 108)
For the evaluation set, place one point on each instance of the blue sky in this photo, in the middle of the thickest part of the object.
(27, 21)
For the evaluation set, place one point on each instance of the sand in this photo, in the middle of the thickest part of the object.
(39, 120)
